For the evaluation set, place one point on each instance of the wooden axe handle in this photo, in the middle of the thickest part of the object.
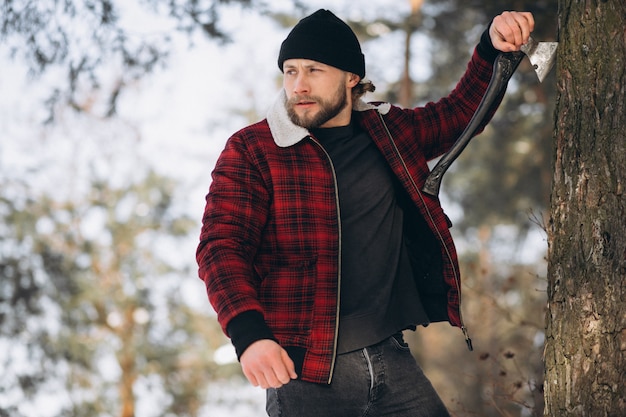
(503, 68)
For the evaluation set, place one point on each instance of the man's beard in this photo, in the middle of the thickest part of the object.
(328, 109)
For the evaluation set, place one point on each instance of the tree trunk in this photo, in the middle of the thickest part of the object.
(127, 359)
(412, 23)
(585, 355)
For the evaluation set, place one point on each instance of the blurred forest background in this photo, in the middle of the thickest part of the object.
(112, 114)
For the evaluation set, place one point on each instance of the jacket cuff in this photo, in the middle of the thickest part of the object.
(247, 328)
(485, 48)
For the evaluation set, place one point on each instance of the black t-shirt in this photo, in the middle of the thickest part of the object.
(378, 293)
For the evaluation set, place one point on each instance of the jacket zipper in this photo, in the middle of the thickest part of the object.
(336, 335)
(457, 281)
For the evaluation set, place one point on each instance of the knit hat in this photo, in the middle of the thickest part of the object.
(325, 38)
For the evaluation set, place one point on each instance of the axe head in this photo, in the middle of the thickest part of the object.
(541, 55)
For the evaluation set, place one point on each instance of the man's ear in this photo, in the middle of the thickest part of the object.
(353, 79)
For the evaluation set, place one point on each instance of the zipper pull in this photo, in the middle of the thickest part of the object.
(468, 340)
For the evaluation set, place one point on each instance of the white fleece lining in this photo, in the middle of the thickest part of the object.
(286, 133)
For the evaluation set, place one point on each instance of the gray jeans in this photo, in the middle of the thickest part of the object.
(380, 380)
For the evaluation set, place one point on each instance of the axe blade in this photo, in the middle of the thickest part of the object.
(541, 55)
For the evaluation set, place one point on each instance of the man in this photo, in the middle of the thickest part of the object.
(318, 248)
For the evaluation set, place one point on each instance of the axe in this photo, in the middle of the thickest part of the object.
(541, 56)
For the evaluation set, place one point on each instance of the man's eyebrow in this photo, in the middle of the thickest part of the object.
(312, 64)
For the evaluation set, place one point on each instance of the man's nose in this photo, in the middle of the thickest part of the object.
(301, 84)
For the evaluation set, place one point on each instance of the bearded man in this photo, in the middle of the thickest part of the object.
(318, 248)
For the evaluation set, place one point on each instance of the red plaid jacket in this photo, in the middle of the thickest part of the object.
(270, 245)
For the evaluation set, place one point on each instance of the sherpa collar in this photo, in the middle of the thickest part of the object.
(286, 133)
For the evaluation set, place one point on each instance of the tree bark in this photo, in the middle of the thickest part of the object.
(585, 352)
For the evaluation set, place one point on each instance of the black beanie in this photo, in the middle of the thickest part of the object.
(325, 38)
